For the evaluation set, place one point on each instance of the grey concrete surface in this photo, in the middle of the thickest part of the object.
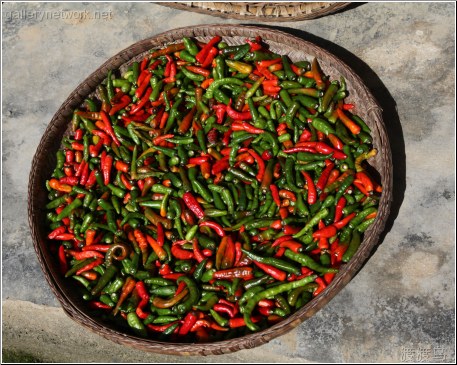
(400, 306)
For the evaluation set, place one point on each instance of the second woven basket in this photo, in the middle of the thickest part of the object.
(261, 11)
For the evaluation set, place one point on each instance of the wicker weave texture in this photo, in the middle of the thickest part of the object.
(261, 11)
(44, 161)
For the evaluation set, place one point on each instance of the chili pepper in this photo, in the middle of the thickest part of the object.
(354, 128)
(272, 271)
(312, 194)
(193, 205)
(160, 252)
(270, 293)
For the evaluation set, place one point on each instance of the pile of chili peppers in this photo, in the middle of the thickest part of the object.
(210, 190)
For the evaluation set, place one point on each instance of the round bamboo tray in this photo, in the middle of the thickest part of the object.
(261, 11)
(44, 161)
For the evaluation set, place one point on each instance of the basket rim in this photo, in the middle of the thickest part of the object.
(316, 12)
(250, 340)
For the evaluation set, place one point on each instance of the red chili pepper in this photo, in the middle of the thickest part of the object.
(92, 247)
(161, 328)
(352, 126)
(245, 126)
(361, 187)
(69, 156)
(254, 45)
(238, 253)
(90, 266)
(340, 224)
(126, 182)
(225, 255)
(322, 286)
(220, 165)
(209, 59)
(220, 112)
(125, 100)
(180, 253)
(265, 72)
(239, 321)
(226, 137)
(324, 176)
(189, 321)
(325, 232)
(198, 70)
(223, 308)
(56, 232)
(198, 160)
(138, 237)
(334, 175)
(84, 175)
(160, 234)
(160, 252)
(193, 205)
(268, 63)
(339, 209)
(206, 83)
(260, 163)
(267, 155)
(201, 56)
(297, 70)
(93, 304)
(64, 236)
(312, 194)
(144, 84)
(85, 254)
(338, 252)
(108, 128)
(106, 168)
(305, 136)
(272, 271)
(271, 90)
(165, 269)
(173, 276)
(80, 168)
(90, 236)
(77, 146)
(232, 113)
(291, 245)
(106, 140)
(365, 180)
(136, 108)
(78, 134)
(63, 265)
(69, 180)
(122, 166)
(198, 255)
(275, 193)
(335, 141)
(328, 277)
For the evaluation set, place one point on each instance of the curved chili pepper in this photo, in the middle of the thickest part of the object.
(232, 113)
(193, 205)
(214, 226)
(312, 194)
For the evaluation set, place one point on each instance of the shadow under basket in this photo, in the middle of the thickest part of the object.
(261, 11)
(60, 125)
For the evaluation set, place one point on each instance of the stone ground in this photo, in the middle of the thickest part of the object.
(400, 306)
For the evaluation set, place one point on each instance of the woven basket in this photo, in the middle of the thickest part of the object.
(44, 162)
(261, 11)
